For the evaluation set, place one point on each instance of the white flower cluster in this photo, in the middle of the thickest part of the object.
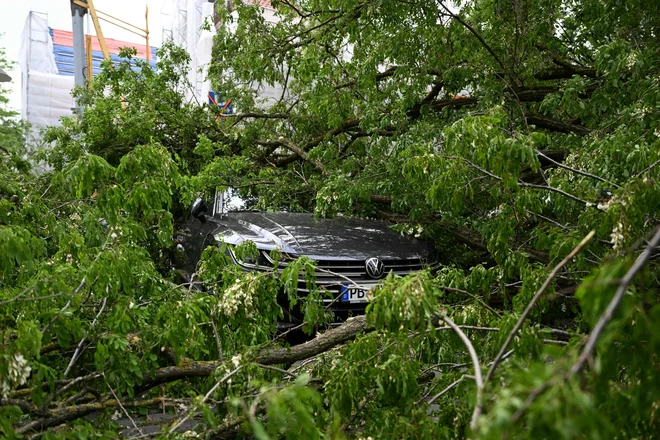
(238, 294)
(415, 231)
(617, 237)
(407, 310)
(327, 198)
(17, 374)
(116, 232)
(604, 206)
(495, 212)
(224, 371)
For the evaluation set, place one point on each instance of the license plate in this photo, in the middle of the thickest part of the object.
(354, 294)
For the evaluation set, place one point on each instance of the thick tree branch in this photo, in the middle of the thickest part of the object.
(389, 72)
(558, 59)
(302, 154)
(554, 125)
(415, 111)
(346, 126)
(565, 72)
(379, 77)
(63, 415)
(267, 356)
(453, 103)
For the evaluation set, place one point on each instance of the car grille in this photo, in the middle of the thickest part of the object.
(332, 274)
(357, 267)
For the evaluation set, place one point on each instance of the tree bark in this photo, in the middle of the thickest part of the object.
(267, 356)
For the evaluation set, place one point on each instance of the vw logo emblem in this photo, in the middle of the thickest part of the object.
(374, 267)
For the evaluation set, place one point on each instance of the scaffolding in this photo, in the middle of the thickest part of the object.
(186, 18)
(47, 73)
(46, 95)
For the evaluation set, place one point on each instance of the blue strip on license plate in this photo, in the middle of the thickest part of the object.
(350, 293)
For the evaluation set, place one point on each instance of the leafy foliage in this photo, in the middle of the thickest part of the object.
(502, 131)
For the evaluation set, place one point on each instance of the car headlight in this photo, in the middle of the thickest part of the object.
(261, 260)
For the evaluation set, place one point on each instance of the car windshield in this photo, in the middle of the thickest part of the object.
(231, 201)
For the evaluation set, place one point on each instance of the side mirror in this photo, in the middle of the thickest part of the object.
(198, 209)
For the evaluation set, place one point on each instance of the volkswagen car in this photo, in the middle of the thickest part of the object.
(351, 254)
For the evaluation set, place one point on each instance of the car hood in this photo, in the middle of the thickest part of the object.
(302, 234)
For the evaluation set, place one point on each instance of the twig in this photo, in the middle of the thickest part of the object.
(558, 191)
(80, 286)
(379, 352)
(531, 398)
(35, 298)
(450, 365)
(561, 334)
(527, 185)
(531, 304)
(443, 392)
(122, 408)
(191, 285)
(304, 364)
(74, 358)
(252, 413)
(80, 394)
(506, 356)
(44, 193)
(217, 338)
(477, 369)
(69, 386)
(469, 327)
(204, 399)
(475, 33)
(473, 296)
(607, 316)
(279, 370)
(649, 168)
(554, 342)
(583, 173)
(16, 298)
(549, 220)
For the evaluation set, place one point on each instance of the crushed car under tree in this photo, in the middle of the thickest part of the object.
(351, 254)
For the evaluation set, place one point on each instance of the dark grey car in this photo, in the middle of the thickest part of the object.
(351, 254)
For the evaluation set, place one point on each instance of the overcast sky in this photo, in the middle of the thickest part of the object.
(13, 14)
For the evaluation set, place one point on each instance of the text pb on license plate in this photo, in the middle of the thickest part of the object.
(353, 293)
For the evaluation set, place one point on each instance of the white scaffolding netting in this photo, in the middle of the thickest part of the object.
(46, 96)
(186, 20)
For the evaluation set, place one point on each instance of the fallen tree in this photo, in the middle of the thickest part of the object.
(520, 138)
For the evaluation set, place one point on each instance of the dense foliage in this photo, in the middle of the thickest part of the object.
(521, 137)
